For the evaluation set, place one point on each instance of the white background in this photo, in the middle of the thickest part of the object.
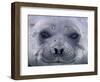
(5, 40)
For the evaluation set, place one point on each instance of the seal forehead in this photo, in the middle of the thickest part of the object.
(58, 21)
(57, 25)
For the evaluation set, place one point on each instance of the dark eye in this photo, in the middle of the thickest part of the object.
(45, 34)
(74, 36)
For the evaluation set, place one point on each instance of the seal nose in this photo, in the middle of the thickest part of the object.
(59, 52)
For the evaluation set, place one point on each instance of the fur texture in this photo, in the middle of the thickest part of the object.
(57, 40)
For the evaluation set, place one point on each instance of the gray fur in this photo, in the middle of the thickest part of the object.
(42, 51)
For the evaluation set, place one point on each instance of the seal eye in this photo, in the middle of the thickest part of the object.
(74, 36)
(45, 34)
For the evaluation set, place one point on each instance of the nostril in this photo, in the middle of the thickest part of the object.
(56, 50)
(61, 51)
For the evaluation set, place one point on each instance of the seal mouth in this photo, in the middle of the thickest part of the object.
(57, 60)
(64, 62)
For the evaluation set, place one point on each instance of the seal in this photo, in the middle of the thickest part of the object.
(57, 41)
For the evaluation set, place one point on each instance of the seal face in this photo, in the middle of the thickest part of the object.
(58, 41)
